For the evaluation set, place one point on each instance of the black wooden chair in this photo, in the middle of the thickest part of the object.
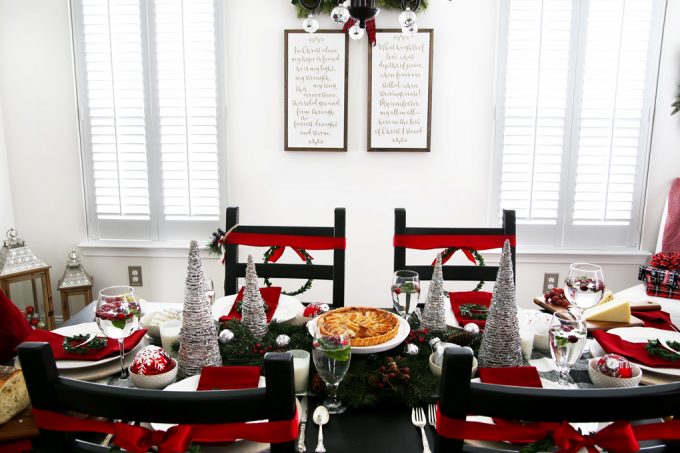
(333, 237)
(407, 237)
(459, 397)
(50, 392)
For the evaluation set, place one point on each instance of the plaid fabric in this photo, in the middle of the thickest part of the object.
(348, 25)
(370, 29)
(660, 282)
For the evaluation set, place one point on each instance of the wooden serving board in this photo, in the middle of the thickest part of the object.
(21, 426)
(604, 325)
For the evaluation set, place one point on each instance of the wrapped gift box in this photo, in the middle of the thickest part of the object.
(660, 282)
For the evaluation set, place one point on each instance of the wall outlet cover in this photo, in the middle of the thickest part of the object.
(135, 275)
(550, 281)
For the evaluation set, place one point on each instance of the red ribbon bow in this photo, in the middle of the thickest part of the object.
(467, 253)
(139, 440)
(278, 251)
(618, 437)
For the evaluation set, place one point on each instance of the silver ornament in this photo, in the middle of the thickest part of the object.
(225, 336)
(324, 308)
(471, 328)
(282, 340)
(340, 14)
(310, 24)
(411, 349)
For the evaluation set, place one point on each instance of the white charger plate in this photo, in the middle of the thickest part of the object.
(402, 333)
(287, 309)
(642, 335)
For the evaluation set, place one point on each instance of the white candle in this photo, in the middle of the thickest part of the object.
(170, 334)
(526, 338)
(300, 369)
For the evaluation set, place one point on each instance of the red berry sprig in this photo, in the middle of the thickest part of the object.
(391, 374)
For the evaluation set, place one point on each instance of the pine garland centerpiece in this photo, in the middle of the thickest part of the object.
(327, 5)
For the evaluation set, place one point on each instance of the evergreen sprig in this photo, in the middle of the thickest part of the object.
(654, 347)
(327, 5)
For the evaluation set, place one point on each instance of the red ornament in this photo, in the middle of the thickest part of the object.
(30, 310)
(313, 310)
(614, 365)
(152, 360)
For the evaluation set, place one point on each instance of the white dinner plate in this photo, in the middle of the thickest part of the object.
(402, 333)
(641, 335)
(287, 309)
(105, 370)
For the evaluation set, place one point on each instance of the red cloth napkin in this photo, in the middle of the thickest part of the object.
(637, 352)
(520, 376)
(56, 343)
(270, 295)
(469, 297)
(656, 319)
(229, 377)
(14, 328)
(671, 231)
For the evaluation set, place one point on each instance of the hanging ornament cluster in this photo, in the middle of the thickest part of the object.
(33, 318)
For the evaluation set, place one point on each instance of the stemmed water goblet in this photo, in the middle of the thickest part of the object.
(117, 315)
(405, 292)
(331, 354)
(584, 287)
(567, 336)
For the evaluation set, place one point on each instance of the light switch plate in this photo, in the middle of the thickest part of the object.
(135, 275)
(550, 281)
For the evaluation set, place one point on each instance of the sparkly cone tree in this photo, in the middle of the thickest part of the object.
(253, 315)
(501, 345)
(434, 313)
(198, 337)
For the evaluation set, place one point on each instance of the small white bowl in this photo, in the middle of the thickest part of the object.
(154, 381)
(603, 381)
(437, 370)
(153, 330)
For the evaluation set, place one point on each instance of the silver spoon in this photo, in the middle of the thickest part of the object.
(320, 417)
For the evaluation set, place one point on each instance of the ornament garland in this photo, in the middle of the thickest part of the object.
(308, 261)
(446, 254)
(327, 5)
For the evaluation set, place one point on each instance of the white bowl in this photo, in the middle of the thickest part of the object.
(154, 381)
(153, 329)
(437, 370)
(603, 381)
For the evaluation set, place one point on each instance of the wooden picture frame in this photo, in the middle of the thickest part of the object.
(386, 139)
(323, 139)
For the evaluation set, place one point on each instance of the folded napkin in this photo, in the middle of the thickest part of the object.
(13, 329)
(469, 297)
(56, 342)
(520, 376)
(636, 352)
(270, 295)
(229, 377)
(656, 319)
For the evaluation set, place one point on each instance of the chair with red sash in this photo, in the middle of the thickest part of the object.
(298, 238)
(202, 417)
(544, 414)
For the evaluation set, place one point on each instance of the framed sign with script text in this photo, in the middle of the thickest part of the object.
(315, 90)
(400, 91)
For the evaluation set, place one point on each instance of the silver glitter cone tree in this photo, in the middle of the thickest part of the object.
(501, 346)
(434, 313)
(198, 337)
(253, 315)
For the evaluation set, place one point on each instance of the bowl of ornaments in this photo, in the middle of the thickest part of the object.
(614, 371)
(152, 320)
(153, 368)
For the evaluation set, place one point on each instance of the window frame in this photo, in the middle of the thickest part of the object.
(564, 234)
(156, 228)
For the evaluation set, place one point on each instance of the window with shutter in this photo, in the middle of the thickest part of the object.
(150, 101)
(575, 93)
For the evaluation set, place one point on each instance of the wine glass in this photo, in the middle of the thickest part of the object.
(567, 337)
(117, 315)
(331, 356)
(405, 292)
(584, 286)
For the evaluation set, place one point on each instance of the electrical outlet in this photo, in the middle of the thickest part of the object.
(550, 281)
(135, 275)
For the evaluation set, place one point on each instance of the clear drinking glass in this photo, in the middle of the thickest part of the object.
(584, 286)
(331, 356)
(117, 315)
(567, 337)
(405, 292)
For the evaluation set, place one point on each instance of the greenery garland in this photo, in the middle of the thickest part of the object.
(474, 311)
(81, 344)
(478, 256)
(654, 347)
(327, 5)
(308, 260)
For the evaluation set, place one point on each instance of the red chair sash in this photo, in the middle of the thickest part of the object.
(175, 440)
(619, 437)
(464, 241)
(286, 240)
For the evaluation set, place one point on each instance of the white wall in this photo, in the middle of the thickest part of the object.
(6, 208)
(447, 187)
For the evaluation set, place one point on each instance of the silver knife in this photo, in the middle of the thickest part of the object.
(303, 422)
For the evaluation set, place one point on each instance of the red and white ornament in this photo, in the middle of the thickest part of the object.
(152, 360)
(614, 365)
(314, 310)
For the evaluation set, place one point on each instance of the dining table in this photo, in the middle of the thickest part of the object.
(382, 428)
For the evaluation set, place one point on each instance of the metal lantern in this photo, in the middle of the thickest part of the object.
(75, 282)
(17, 264)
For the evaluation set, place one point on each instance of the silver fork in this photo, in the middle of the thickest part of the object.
(432, 415)
(418, 419)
